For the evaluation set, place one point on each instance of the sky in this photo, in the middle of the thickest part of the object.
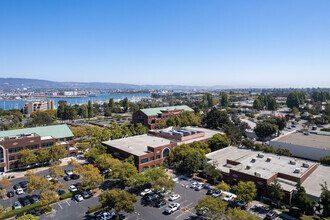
(235, 43)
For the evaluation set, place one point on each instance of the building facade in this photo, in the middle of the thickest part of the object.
(31, 107)
(151, 116)
(36, 139)
(151, 149)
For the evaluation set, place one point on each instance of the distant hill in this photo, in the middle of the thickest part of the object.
(14, 83)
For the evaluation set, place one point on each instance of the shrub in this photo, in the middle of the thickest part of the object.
(325, 160)
(66, 196)
(21, 210)
(94, 208)
(295, 211)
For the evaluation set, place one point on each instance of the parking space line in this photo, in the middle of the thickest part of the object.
(67, 202)
(60, 205)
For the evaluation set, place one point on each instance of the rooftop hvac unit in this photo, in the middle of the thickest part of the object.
(297, 170)
(260, 155)
(248, 166)
(269, 159)
(293, 162)
(253, 160)
(257, 174)
(305, 165)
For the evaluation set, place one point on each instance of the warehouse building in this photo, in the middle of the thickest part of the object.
(237, 164)
(304, 145)
(38, 138)
(151, 149)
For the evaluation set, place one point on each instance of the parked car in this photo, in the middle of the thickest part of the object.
(10, 194)
(24, 184)
(68, 172)
(210, 191)
(241, 204)
(17, 186)
(67, 178)
(172, 208)
(193, 185)
(73, 188)
(78, 185)
(160, 203)
(19, 191)
(78, 198)
(145, 192)
(229, 197)
(174, 197)
(27, 202)
(167, 192)
(216, 194)
(199, 187)
(105, 215)
(74, 176)
(48, 177)
(17, 205)
(202, 211)
(61, 192)
(152, 197)
(271, 215)
(34, 199)
(32, 212)
(85, 194)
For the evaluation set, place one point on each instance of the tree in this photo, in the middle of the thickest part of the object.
(57, 152)
(239, 214)
(201, 146)
(301, 199)
(325, 199)
(211, 172)
(155, 173)
(265, 129)
(210, 102)
(223, 186)
(92, 153)
(257, 105)
(192, 162)
(213, 207)
(248, 143)
(56, 170)
(43, 156)
(325, 160)
(1, 211)
(118, 199)
(83, 111)
(28, 217)
(245, 191)
(218, 141)
(163, 184)
(90, 109)
(124, 171)
(140, 179)
(140, 129)
(224, 100)
(275, 192)
(281, 123)
(91, 175)
(27, 157)
(125, 104)
(294, 100)
(215, 119)
(4, 182)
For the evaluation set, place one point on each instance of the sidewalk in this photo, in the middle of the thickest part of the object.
(20, 174)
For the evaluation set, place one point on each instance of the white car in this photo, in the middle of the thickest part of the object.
(193, 185)
(19, 191)
(69, 172)
(78, 197)
(174, 197)
(17, 205)
(199, 187)
(106, 216)
(73, 188)
(229, 197)
(216, 194)
(48, 177)
(145, 192)
(172, 208)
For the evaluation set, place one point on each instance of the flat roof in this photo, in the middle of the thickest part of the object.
(319, 176)
(156, 111)
(138, 145)
(266, 168)
(56, 131)
(311, 140)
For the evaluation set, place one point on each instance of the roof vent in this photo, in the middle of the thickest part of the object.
(257, 174)
(268, 159)
(305, 165)
(260, 155)
(253, 160)
(248, 166)
(297, 170)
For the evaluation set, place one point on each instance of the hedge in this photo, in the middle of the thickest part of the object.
(15, 212)
(94, 208)
(66, 196)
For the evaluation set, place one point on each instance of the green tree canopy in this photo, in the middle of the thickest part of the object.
(118, 200)
(301, 199)
(57, 152)
(239, 214)
(275, 191)
(213, 207)
(265, 129)
(245, 191)
(27, 157)
(218, 141)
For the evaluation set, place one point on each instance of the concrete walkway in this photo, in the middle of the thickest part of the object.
(20, 174)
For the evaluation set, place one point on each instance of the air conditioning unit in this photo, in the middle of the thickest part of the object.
(257, 174)
(293, 162)
(253, 160)
(268, 159)
(305, 165)
(260, 155)
(297, 170)
(248, 166)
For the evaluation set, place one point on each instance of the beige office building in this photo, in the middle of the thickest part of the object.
(30, 107)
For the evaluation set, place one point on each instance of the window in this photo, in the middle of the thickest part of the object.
(69, 139)
(46, 145)
(11, 158)
(152, 158)
(14, 150)
(166, 152)
(144, 160)
(157, 157)
(32, 147)
(62, 139)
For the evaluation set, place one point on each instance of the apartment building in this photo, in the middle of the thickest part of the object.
(31, 107)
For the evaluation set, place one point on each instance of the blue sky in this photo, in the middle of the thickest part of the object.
(263, 43)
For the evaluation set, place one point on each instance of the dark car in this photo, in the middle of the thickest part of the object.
(10, 194)
(61, 192)
(17, 186)
(153, 197)
(271, 215)
(27, 202)
(85, 194)
(78, 185)
(24, 184)
(74, 176)
(34, 199)
(67, 178)
(20, 215)
(210, 192)
(32, 212)
(160, 203)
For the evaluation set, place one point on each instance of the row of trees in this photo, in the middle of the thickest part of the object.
(184, 119)
(295, 99)
(265, 102)
(270, 127)
(249, 144)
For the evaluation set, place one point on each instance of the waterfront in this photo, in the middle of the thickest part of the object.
(100, 98)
